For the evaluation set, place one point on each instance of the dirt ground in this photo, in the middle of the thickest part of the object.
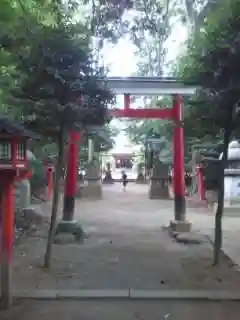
(130, 310)
(126, 247)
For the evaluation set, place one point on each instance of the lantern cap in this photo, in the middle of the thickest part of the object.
(11, 127)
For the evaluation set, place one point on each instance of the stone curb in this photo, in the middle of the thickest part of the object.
(71, 294)
(224, 252)
(185, 295)
(131, 294)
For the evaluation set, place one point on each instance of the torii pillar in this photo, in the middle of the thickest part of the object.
(179, 224)
(68, 224)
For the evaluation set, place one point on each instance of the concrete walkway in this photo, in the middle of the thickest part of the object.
(127, 248)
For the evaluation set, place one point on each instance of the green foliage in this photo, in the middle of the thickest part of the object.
(151, 51)
(211, 61)
(196, 12)
(138, 131)
(57, 84)
(16, 20)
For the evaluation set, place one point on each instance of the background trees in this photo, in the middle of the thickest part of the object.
(53, 83)
(212, 61)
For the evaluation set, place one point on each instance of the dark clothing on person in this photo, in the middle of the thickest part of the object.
(124, 179)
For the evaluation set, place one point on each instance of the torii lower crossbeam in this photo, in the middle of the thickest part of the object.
(142, 113)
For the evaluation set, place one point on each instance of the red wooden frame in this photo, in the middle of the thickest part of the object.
(142, 113)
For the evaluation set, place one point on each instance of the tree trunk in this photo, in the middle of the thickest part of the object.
(55, 203)
(220, 206)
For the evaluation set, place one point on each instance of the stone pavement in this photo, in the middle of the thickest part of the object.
(123, 310)
(127, 247)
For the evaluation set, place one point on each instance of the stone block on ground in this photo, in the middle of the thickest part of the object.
(26, 217)
(180, 226)
(140, 179)
(70, 228)
(64, 238)
(190, 238)
(93, 190)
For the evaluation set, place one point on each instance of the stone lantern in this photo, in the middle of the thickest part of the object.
(13, 152)
(13, 167)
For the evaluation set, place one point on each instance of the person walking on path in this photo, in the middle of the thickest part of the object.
(124, 180)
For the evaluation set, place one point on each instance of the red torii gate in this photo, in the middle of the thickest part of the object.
(141, 86)
(149, 86)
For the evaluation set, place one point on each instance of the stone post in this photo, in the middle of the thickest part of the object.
(108, 175)
(93, 186)
(140, 175)
(22, 194)
(90, 150)
(159, 180)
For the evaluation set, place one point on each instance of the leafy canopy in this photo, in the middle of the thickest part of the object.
(212, 62)
(58, 84)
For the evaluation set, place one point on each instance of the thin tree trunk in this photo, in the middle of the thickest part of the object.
(220, 206)
(55, 203)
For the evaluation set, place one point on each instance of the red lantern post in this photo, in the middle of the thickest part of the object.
(71, 176)
(13, 167)
(200, 183)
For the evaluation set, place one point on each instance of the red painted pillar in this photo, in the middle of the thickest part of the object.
(127, 101)
(178, 160)
(7, 238)
(200, 183)
(71, 175)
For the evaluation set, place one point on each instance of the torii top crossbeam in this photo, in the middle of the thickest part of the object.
(148, 86)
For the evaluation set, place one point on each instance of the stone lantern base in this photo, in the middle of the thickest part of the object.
(158, 188)
(93, 185)
(180, 226)
(92, 189)
(73, 228)
(108, 178)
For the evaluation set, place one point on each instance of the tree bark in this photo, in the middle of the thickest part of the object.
(56, 198)
(220, 205)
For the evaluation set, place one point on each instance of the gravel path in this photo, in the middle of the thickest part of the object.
(127, 247)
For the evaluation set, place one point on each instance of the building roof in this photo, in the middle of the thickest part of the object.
(14, 128)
